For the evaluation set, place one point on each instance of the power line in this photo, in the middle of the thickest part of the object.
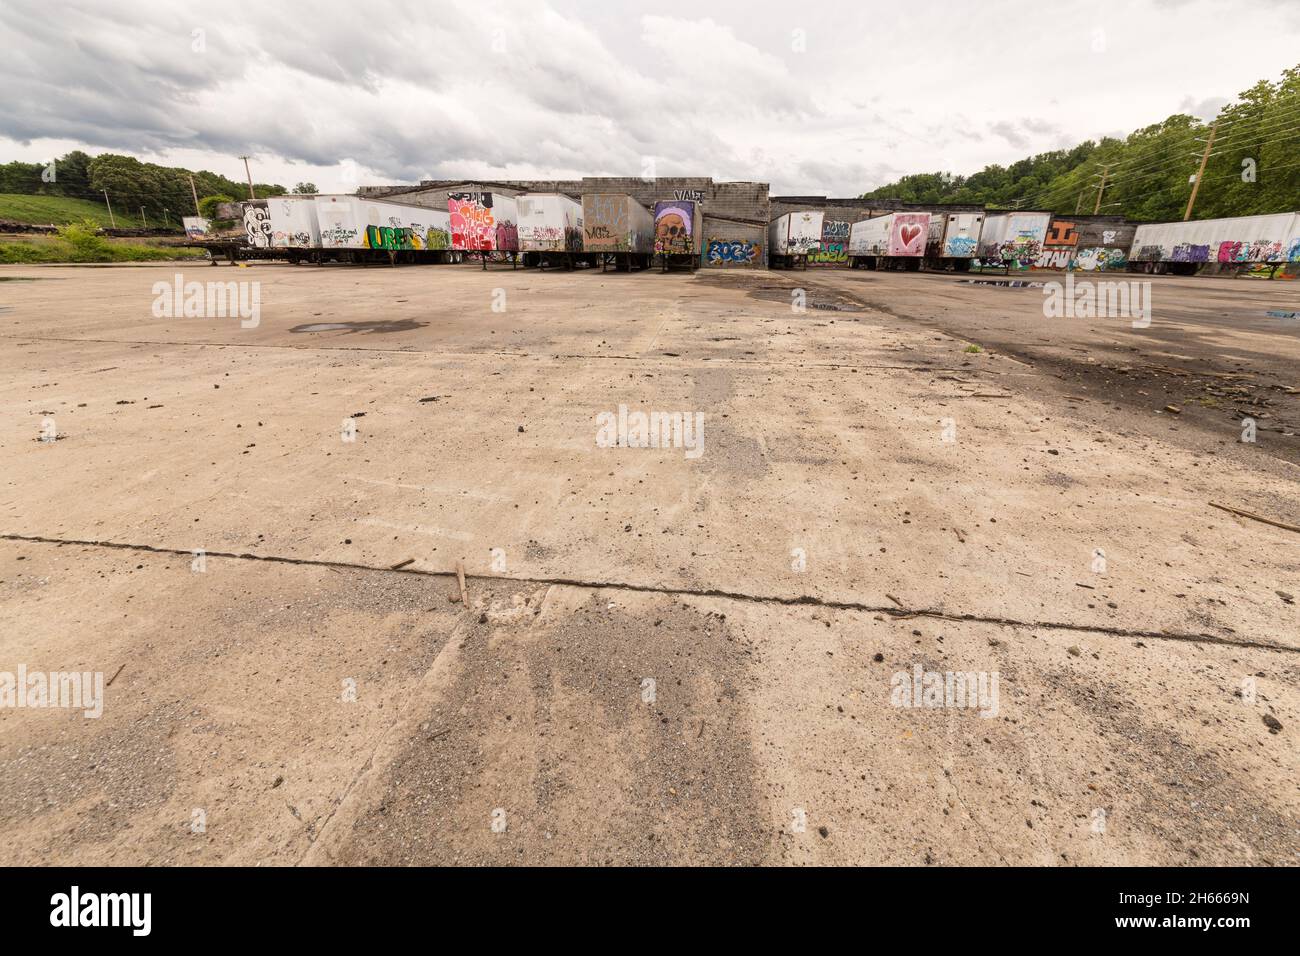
(1271, 111)
(1143, 172)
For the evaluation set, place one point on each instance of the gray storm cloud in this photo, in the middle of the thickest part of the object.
(806, 99)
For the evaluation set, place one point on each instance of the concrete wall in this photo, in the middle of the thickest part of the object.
(1088, 243)
(733, 244)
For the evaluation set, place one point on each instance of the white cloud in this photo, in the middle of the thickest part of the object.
(385, 92)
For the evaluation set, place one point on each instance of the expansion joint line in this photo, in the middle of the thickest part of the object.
(901, 613)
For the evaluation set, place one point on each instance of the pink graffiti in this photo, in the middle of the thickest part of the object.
(472, 225)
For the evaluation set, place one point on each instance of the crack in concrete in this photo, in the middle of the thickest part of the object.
(808, 600)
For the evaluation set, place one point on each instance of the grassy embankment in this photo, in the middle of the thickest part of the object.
(77, 240)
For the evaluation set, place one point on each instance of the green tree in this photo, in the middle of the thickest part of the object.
(208, 205)
(1252, 169)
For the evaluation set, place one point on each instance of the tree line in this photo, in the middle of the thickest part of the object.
(163, 192)
(1253, 167)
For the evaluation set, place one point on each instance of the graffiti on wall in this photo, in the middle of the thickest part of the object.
(507, 235)
(908, 233)
(1188, 252)
(390, 238)
(1019, 252)
(1229, 251)
(1053, 259)
(1058, 246)
(674, 222)
(1099, 259)
(733, 252)
(605, 223)
(959, 247)
(1061, 233)
(693, 195)
(1261, 250)
(835, 243)
(257, 226)
(337, 236)
(472, 224)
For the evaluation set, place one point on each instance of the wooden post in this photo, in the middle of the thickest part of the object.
(1105, 174)
(1205, 158)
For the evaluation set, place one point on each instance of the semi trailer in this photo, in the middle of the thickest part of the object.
(1183, 247)
(952, 240)
(617, 230)
(894, 241)
(793, 237)
(355, 229)
(1012, 241)
(677, 233)
(550, 229)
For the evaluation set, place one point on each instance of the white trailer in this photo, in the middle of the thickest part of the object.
(953, 239)
(617, 229)
(1185, 246)
(550, 228)
(793, 236)
(1013, 240)
(894, 241)
(358, 225)
(293, 222)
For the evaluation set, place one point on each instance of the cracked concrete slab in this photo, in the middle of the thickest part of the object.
(828, 519)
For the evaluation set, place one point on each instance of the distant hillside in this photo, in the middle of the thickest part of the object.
(1254, 167)
(56, 210)
(131, 185)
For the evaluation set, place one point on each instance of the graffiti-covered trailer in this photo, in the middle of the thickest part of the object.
(1013, 240)
(293, 222)
(484, 223)
(793, 237)
(617, 229)
(953, 239)
(353, 229)
(550, 229)
(895, 241)
(677, 233)
(1182, 247)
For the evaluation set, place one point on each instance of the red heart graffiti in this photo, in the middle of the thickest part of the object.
(908, 233)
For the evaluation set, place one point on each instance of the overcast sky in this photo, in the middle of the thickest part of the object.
(825, 98)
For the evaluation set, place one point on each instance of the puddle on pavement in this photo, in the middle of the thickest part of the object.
(1005, 283)
(377, 327)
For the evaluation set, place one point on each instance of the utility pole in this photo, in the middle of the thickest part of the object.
(112, 221)
(1105, 175)
(144, 222)
(195, 193)
(1077, 203)
(1205, 158)
(251, 195)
